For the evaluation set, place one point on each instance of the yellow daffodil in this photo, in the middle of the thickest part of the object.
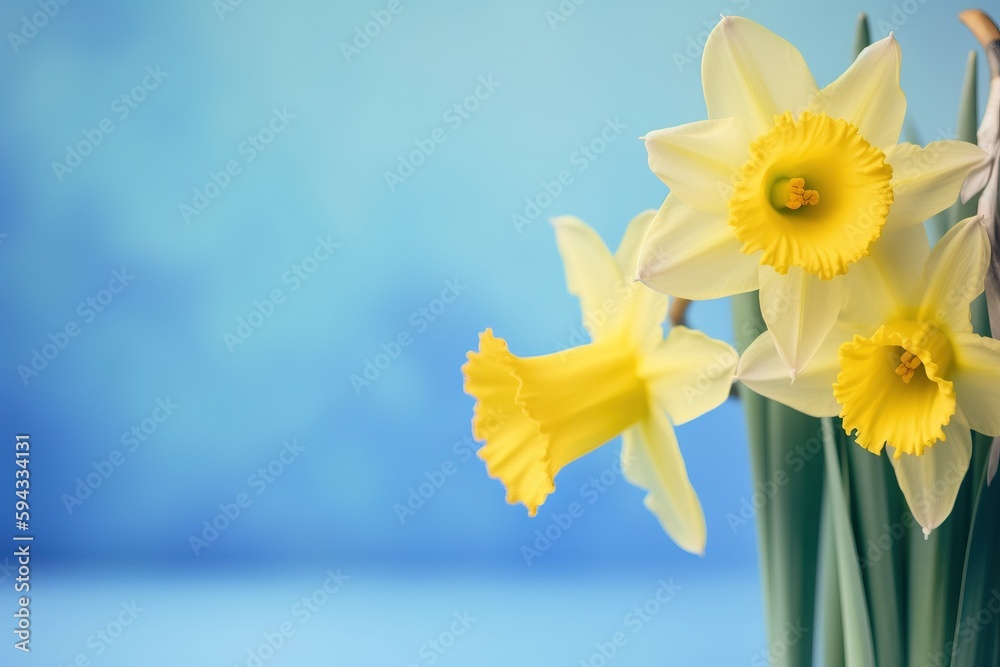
(786, 188)
(905, 370)
(537, 414)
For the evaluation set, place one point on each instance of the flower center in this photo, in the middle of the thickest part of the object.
(908, 415)
(791, 193)
(537, 414)
(775, 207)
(908, 364)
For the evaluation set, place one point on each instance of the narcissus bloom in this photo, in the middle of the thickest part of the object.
(786, 188)
(537, 414)
(905, 371)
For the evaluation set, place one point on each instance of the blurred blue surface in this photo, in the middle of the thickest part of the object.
(201, 247)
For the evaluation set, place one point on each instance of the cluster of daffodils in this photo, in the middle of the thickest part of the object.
(806, 195)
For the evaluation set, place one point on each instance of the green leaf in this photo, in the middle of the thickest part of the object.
(879, 531)
(788, 469)
(862, 35)
(968, 122)
(858, 647)
(978, 624)
(832, 647)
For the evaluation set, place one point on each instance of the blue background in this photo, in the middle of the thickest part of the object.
(351, 118)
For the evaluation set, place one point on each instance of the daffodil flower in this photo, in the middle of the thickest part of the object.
(787, 188)
(537, 414)
(905, 372)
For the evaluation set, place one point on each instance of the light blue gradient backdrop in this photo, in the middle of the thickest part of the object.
(323, 177)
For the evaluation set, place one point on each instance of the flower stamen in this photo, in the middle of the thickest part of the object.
(910, 418)
(791, 193)
(775, 206)
(908, 364)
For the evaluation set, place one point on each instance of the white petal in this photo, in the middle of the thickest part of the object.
(926, 181)
(689, 374)
(888, 279)
(695, 255)
(751, 73)
(868, 95)
(930, 482)
(651, 460)
(977, 381)
(954, 275)
(978, 179)
(697, 161)
(763, 370)
(800, 310)
(591, 274)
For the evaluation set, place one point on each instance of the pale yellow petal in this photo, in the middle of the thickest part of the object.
(925, 181)
(762, 369)
(977, 381)
(751, 73)
(868, 95)
(651, 460)
(697, 161)
(627, 254)
(930, 482)
(644, 309)
(695, 255)
(800, 310)
(888, 280)
(592, 275)
(688, 374)
(954, 276)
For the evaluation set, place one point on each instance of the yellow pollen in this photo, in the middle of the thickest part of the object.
(908, 363)
(791, 193)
